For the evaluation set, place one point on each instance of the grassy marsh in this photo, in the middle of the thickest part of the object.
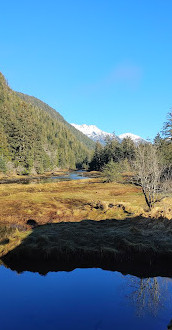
(67, 201)
(74, 201)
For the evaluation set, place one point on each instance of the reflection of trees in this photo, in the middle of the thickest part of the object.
(148, 294)
(169, 325)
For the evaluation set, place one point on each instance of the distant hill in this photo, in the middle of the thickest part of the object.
(97, 135)
(34, 137)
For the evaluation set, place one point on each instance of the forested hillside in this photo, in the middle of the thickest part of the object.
(33, 138)
(56, 115)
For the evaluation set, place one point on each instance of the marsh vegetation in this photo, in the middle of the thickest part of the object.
(85, 223)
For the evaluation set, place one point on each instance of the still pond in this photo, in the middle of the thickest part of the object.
(84, 299)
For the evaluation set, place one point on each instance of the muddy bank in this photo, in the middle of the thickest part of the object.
(139, 246)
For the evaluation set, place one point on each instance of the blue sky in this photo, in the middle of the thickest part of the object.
(101, 62)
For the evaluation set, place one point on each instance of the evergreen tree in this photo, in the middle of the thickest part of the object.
(97, 160)
(128, 148)
(167, 129)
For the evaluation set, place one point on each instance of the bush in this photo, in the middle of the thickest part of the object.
(113, 171)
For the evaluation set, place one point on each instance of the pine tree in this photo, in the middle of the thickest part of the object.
(167, 129)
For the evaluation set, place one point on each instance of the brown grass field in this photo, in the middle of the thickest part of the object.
(74, 201)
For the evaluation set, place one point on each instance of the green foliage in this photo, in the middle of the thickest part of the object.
(97, 160)
(164, 145)
(158, 140)
(164, 149)
(2, 165)
(112, 171)
(128, 149)
(112, 151)
(56, 116)
(35, 138)
(167, 129)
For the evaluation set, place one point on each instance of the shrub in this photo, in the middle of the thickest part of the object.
(113, 171)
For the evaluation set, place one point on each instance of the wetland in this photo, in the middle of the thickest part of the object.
(79, 254)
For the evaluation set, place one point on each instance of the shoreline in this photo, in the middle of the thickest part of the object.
(138, 246)
(7, 179)
(10, 179)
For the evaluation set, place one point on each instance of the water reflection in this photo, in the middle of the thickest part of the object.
(69, 176)
(78, 175)
(84, 299)
(149, 295)
(170, 325)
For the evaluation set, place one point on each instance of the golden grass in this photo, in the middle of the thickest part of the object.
(10, 238)
(74, 201)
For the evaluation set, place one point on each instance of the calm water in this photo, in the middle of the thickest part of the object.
(84, 299)
(77, 175)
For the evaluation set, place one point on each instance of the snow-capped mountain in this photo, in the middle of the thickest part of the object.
(136, 138)
(93, 132)
(96, 134)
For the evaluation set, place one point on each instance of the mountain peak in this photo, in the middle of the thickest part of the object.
(96, 134)
(93, 132)
(135, 138)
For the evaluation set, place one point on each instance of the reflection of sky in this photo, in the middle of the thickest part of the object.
(85, 299)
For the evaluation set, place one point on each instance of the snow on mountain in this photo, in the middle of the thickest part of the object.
(136, 138)
(93, 132)
(96, 134)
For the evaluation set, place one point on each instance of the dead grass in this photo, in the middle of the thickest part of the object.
(10, 238)
(74, 201)
(136, 245)
(142, 235)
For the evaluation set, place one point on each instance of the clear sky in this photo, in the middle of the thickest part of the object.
(102, 62)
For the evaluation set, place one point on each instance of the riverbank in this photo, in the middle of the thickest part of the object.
(14, 178)
(135, 246)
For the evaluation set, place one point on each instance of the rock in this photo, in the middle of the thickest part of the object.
(31, 222)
